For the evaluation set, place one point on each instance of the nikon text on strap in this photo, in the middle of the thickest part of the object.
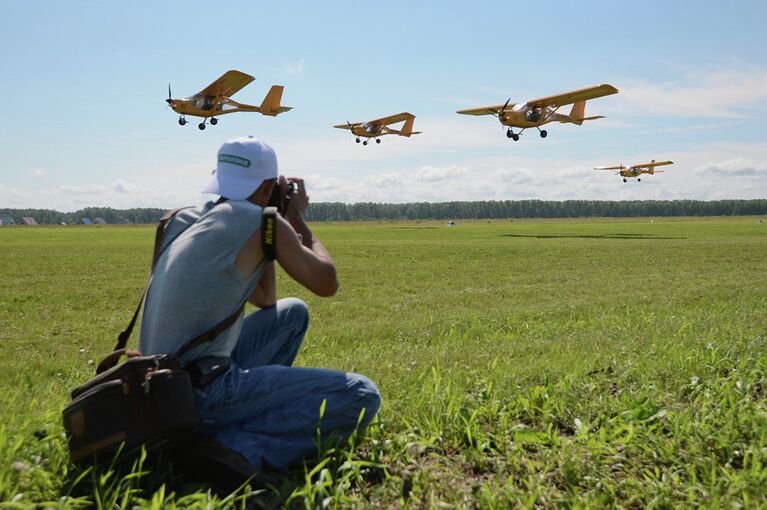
(269, 232)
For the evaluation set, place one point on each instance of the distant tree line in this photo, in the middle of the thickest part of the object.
(336, 211)
(50, 217)
(366, 211)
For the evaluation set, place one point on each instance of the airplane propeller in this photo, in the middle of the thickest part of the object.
(498, 113)
(169, 100)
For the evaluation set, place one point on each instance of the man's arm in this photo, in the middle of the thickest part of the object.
(265, 293)
(301, 254)
(306, 260)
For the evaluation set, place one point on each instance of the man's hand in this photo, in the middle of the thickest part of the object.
(299, 202)
(297, 207)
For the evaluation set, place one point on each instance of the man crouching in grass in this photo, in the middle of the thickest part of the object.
(249, 396)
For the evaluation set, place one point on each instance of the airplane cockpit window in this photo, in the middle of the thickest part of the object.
(533, 114)
(204, 102)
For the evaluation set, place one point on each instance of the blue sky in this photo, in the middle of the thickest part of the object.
(85, 122)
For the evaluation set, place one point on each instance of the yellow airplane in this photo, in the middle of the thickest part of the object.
(541, 111)
(215, 99)
(380, 127)
(636, 170)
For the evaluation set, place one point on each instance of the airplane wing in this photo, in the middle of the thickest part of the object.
(228, 84)
(392, 119)
(574, 96)
(348, 125)
(653, 164)
(485, 110)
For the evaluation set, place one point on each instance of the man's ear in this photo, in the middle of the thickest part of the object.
(263, 193)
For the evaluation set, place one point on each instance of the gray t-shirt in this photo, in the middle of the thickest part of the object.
(195, 284)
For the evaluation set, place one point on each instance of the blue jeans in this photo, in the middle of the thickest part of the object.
(268, 410)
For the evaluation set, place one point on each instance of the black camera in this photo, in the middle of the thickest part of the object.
(280, 200)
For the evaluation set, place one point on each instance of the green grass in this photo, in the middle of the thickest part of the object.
(557, 363)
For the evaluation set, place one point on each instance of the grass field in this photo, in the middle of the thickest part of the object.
(560, 363)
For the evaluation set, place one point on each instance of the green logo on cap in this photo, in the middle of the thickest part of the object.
(234, 160)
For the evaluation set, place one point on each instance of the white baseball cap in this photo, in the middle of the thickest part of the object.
(243, 164)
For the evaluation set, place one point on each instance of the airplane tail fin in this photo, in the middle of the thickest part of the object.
(407, 128)
(579, 109)
(271, 103)
(576, 114)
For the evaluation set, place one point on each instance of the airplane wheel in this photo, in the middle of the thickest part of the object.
(181, 122)
(515, 137)
(509, 134)
(357, 140)
(201, 125)
(365, 142)
(544, 133)
(378, 141)
(213, 122)
(639, 180)
(624, 180)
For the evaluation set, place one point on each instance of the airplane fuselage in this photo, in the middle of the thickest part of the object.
(524, 116)
(368, 130)
(635, 172)
(208, 106)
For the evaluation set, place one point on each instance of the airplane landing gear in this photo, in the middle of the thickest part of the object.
(378, 141)
(357, 140)
(515, 137)
(213, 121)
(544, 133)
(201, 126)
(624, 180)
(365, 142)
(181, 121)
(511, 134)
(639, 180)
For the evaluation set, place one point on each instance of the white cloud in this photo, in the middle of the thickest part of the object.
(708, 173)
(737, 167)
(13, 197)
(123, 186)
(173, 187)
(38, 173)
(322, 183)
(296, 68)
(435, 174)
(732, 94)
(83, 189)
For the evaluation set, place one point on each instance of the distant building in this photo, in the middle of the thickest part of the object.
(84, 221)
(99, 221)
(6, 220)
(28, 220)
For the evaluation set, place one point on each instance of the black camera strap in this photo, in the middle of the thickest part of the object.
(269, 232)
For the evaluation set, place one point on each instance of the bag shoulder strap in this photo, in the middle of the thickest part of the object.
(211, 334)
(122, 338)
(269, 232)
